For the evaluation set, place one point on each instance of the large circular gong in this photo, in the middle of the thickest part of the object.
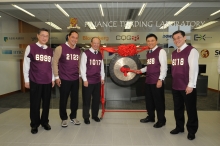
(117, 76)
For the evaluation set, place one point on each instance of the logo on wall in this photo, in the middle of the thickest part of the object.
(102, 38)
(135, 38)
(6, 51)
(14, 52)
(127, 37)
(167, 36)
(199, 37)
(204, 53)
(73, 23)
(5, 39)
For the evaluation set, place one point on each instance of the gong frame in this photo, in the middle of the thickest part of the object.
(103, 96)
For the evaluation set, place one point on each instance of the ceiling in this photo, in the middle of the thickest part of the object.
(115, 11)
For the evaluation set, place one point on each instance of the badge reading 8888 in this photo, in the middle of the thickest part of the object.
(151, 61)
(178, 61)
(44, 58)
(72, 57)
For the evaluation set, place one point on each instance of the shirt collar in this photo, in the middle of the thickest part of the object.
(69, 45)
(183, 46)
(92, 50)
(154, 48)
(44, 46)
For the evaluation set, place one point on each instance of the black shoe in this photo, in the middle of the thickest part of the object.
(191, 136)
(46, 127)
(147, 119)
(96, 119)
(176, 131)
(86, 121)
(159, 124)
(34, 130)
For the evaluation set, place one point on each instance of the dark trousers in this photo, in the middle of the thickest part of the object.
(38, 92)
(92, 91)
(180, 98)
(155, 100)
(69, 88)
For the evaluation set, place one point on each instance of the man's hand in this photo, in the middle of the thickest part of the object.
(27, 85)
(188, 90)
(58, 82)
(159, 84)
(85, 83)
(53, 83)
(102, 82)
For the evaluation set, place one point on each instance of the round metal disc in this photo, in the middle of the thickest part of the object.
(117, 76)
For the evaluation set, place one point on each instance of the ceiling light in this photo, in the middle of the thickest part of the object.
(101, 10)
(206, 24)
(142, 9)
(215, 13)
(87, 46)
(183, 8)
(138, 46)
(90, 24)
(53, 25)
(62, 10)
(23, 10)
(128, 24)
(103, 45)
(167, 24)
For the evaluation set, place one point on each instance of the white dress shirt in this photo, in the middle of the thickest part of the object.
(83, 66)
(26, 63)
(193, 65)
(163, 63)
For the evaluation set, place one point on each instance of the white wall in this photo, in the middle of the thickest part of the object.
(212, 60)
(9, 69)
(211, 63)
(9, 76)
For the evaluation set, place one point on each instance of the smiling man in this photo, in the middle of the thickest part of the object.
(156, 71)
(184, 73)
(38, 77)
(92, 71)
(66, 72)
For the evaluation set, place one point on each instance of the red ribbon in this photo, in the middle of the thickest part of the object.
(127, 50)
(124, 50)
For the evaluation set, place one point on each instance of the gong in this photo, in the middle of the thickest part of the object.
(129, 62)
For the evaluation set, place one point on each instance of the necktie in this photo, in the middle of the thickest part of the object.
(42, 47)
(96, 52)
(150, 51)
(178, 50)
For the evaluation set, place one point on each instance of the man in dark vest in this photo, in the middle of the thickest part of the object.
(37, 69)
(66, 72)
(92, 71)
(156, 71)
(184, 74)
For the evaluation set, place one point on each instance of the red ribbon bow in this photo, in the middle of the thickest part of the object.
(125, 50)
